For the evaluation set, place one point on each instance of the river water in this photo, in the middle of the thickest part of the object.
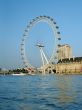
(41, 92)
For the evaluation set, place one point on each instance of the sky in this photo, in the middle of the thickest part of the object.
(15, 15)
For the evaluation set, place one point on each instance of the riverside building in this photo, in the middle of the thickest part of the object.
(67, 64)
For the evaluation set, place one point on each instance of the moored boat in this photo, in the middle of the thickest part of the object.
(18, 74)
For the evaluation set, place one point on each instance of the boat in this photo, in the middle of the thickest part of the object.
(18, 74)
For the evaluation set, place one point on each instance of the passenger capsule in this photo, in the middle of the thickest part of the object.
(22, 49)
(41, 16)
(24, 62)
(22, 57)
(54, 22)
(51, 19)
(48, 17)
(58, 32)
(23, 39)
(37, 17)
(24, 35)
(57, 27)
(26, 30)
(33, 19)
(22, 53)
(30, 22)
(22, 44)
(59, 38)
(59, 45)
(44, 16)
(28, 26)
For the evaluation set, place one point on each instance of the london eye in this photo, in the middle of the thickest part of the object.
(55, 29)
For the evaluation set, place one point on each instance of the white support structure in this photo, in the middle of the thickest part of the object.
(43, 57)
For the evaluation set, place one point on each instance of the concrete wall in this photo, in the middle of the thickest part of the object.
(66, 68)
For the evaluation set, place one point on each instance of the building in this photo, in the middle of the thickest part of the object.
(69, 66)
(64, 51)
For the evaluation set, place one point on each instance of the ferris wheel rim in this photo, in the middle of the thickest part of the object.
(55, 30)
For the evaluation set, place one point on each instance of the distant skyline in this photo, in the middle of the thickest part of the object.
(15, 16)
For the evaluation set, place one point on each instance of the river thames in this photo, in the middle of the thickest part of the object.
(41, 92)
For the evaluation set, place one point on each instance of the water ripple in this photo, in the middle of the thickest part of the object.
(49, 92)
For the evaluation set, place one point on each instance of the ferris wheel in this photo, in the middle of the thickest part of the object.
(50, 21)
